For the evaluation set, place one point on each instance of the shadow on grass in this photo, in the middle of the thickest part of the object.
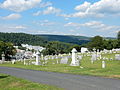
(5, 76)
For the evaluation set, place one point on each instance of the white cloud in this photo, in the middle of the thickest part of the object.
(37, 13)
(72, 24)
(65, 15)
(45, 4)
(44, 23)
(18, 27)
(19, 5)
(72, 30)
(49, 10)
(12, 28)
(101, 8)
(12, 16)
(83, 7)
(105, 7)
(98, 26)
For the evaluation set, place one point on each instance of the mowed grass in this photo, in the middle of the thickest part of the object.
(112, 69)
(8, 82)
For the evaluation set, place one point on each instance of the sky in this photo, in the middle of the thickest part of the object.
(61, 17)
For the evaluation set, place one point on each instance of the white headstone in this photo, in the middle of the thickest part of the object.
(80, 57)
(3, 57)
(42, 57)
(103, 64)
(74, 61)
(94, 57)
(13, 61)
(57, 61)
(64, 60)
(117, 56)
(37, 58)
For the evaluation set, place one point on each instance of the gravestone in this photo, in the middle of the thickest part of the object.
(37, 58)
(64, 60)
(94, 57)
(79, 57)
(3, 57)
(52, 57)
(74, 61)
(42, 57)
(24, 62)
(117, 56)
(57, 61)
(103, 64)
(13, 61)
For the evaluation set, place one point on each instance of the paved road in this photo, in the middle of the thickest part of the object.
(67, 81)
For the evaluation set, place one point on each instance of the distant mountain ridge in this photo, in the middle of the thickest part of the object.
(67, 38)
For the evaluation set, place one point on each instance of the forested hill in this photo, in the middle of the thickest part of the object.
(20, 38)
(67, 38)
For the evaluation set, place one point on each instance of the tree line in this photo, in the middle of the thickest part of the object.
(54, 47)
(97, 42)
(22, 38)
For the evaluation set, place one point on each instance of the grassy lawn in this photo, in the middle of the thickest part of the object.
(112, 69)
(8, 82)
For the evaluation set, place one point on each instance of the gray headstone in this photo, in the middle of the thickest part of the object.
(93, 58)
(64, 60)
(117, 56)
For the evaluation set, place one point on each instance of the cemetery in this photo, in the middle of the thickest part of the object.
(98, 63)
(56, 45)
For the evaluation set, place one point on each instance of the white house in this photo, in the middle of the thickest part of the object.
(36, 48)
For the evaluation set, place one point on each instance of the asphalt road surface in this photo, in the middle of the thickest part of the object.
(67, 81)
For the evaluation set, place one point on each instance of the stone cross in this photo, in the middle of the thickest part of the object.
(74, 61)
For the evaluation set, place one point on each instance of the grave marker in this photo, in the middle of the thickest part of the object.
(64, 60)
(37, 58)
(103, 64)
(74, 61)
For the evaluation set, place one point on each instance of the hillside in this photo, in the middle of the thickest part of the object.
(19, 38)
(66, 38)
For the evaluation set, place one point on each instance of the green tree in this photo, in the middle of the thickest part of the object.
(118, 36)
(96, 42)
(110, 44)
(56, 47)
(77, 47)
(7, 49)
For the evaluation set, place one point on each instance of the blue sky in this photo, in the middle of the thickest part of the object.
(61, 17)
